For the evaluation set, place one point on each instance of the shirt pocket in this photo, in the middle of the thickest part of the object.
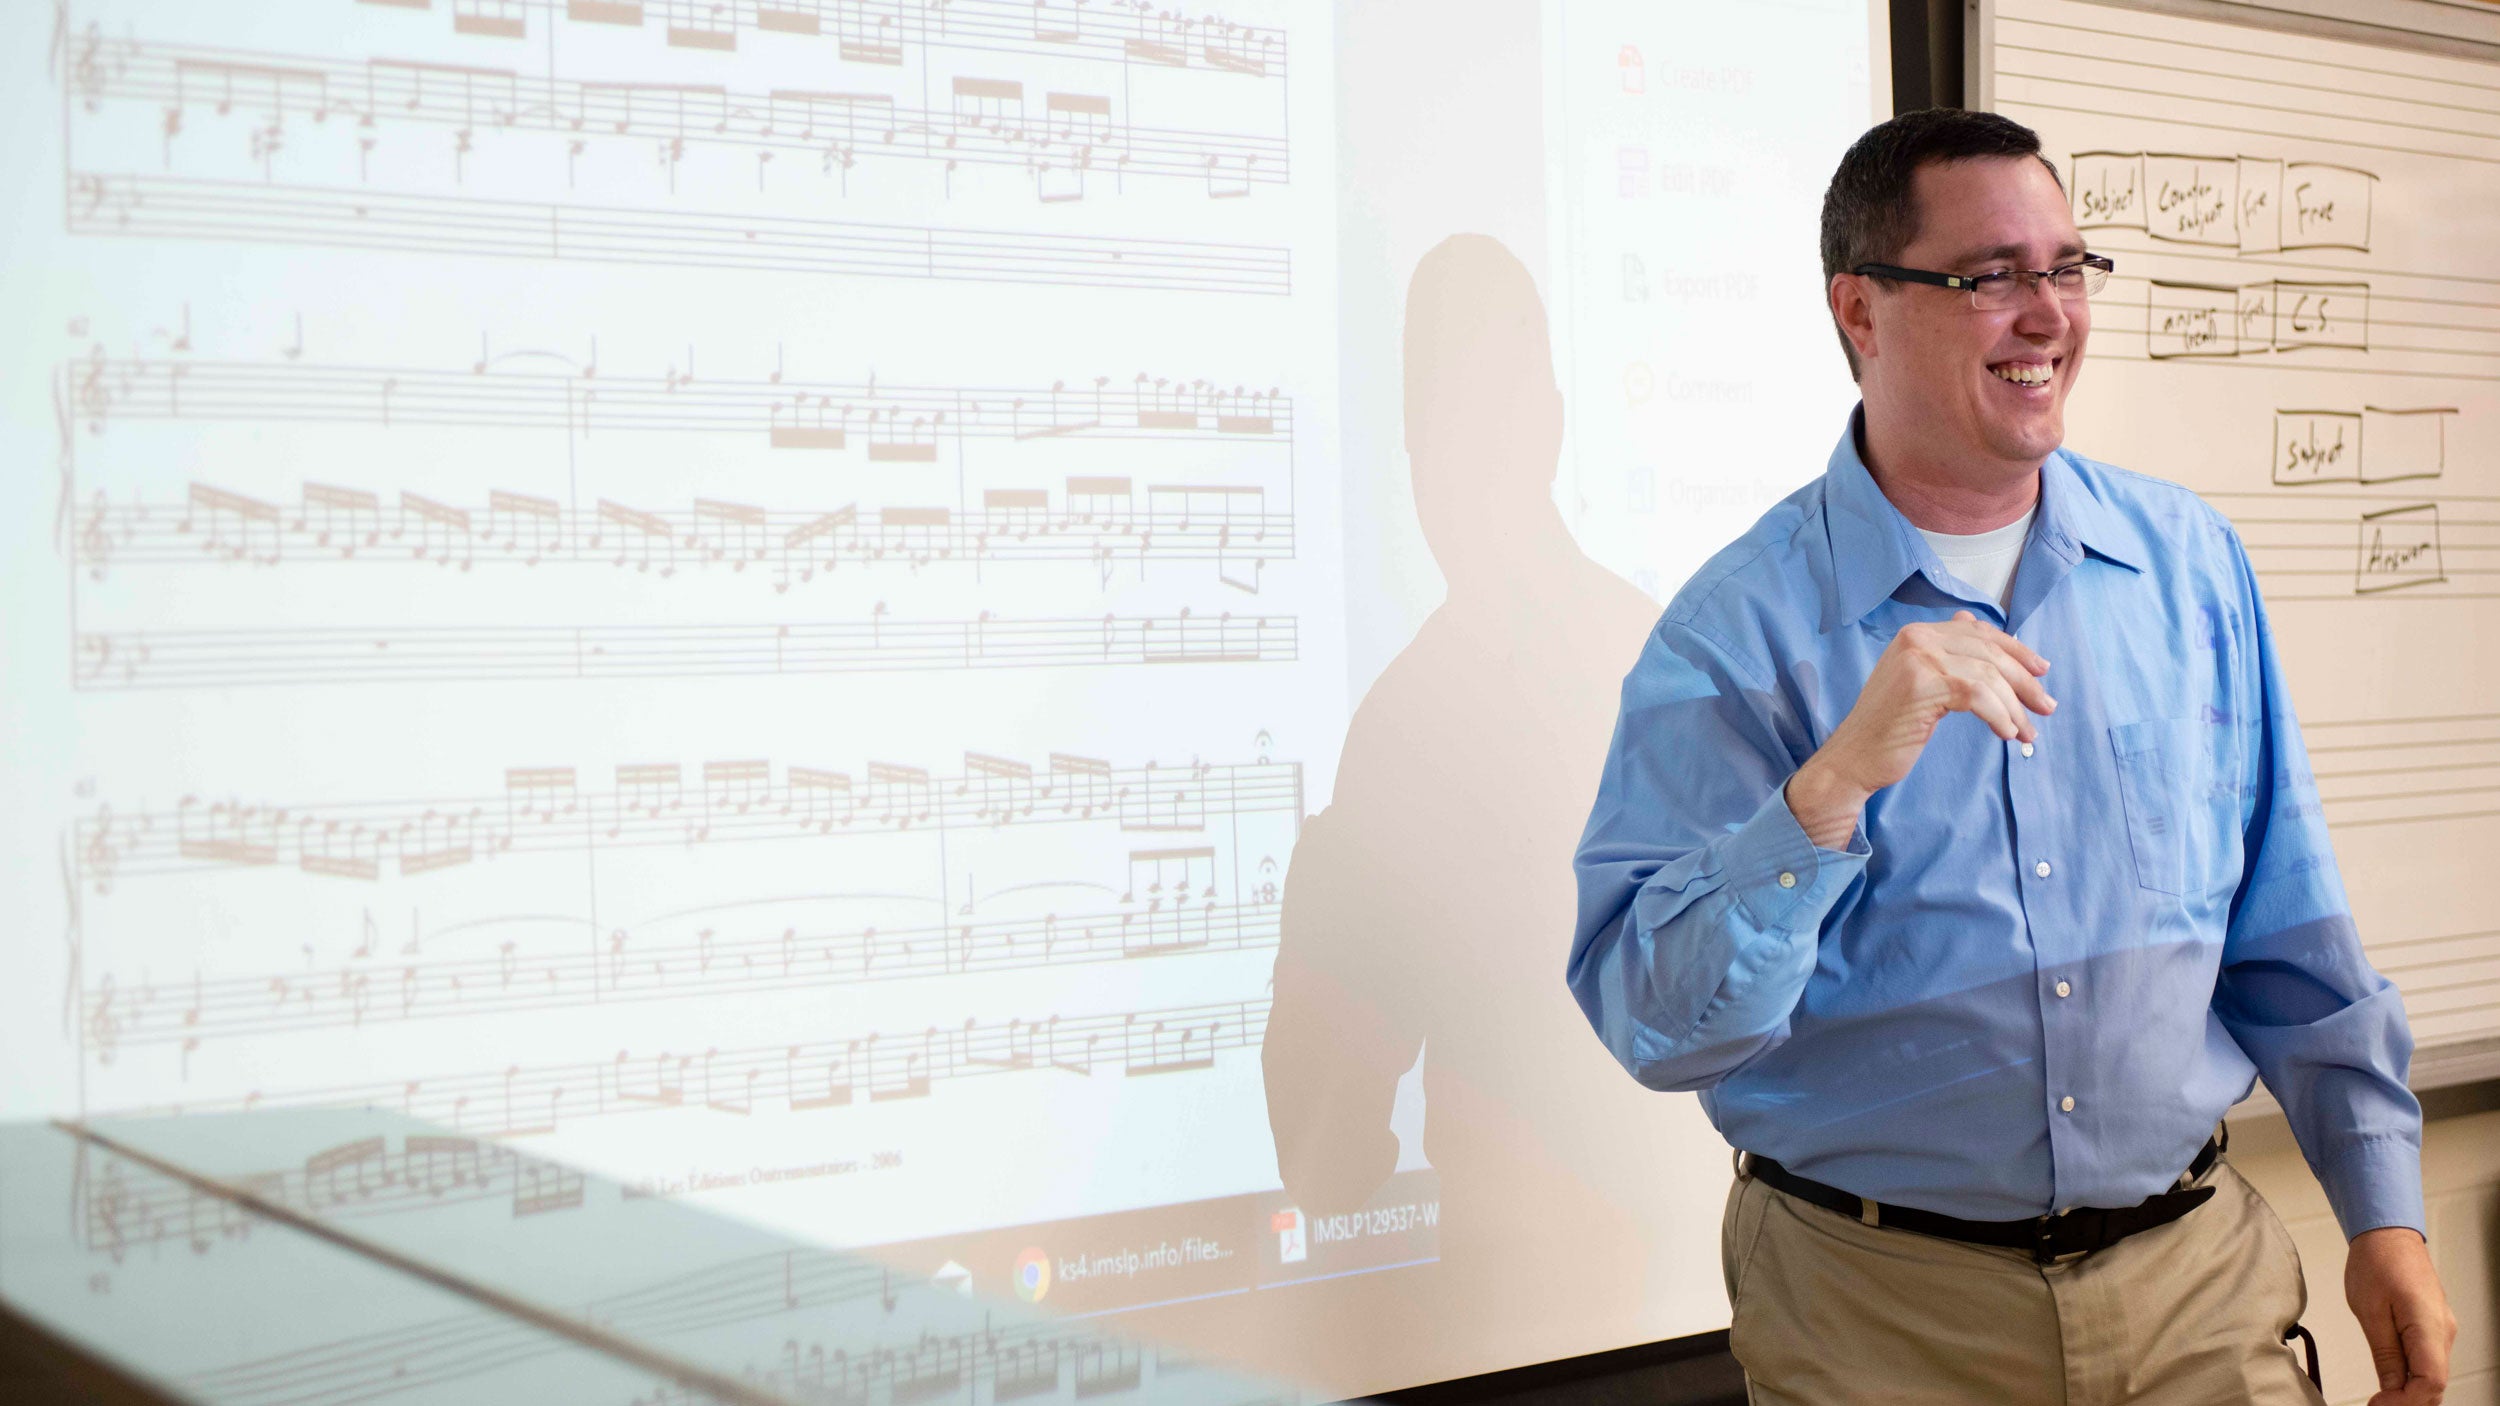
(2164, 768)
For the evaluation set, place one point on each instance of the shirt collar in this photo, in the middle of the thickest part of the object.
(1875, 548)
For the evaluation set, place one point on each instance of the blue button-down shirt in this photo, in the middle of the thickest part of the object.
(2139, 912)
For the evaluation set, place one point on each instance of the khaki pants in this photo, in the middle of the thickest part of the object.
(1830, 1310)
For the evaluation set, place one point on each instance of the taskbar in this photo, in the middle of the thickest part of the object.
(1157, 1255)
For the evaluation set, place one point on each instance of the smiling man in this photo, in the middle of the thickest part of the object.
(1958, 843)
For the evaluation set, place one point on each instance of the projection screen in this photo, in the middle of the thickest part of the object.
(978, 629)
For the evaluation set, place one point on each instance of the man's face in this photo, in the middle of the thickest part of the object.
(1966, 385)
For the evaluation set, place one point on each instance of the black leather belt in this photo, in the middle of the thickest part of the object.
(2077, 1230)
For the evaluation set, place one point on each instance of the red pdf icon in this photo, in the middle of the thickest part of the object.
(1628, 61)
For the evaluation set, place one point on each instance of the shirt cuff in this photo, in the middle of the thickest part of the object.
(2376, 1184)
(1781, 877)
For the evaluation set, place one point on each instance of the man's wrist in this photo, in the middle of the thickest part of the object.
(1825, 806)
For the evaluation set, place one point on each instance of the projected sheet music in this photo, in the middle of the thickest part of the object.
(2305, 327)
(769, 567)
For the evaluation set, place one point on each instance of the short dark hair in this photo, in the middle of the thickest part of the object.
(1870, 212)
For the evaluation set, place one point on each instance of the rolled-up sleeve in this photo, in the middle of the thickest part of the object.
(2325, 1030)
(1701, 899)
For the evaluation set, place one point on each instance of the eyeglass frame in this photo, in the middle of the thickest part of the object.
(1971, 282)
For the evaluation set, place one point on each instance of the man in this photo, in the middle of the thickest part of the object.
(1958, 843)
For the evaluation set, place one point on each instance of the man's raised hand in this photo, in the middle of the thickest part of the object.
(1961, 665)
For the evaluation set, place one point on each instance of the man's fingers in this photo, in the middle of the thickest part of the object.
(2024, 654)
(1976, 688)
(2425, 1351)
(2027, 687)
(2387, 1352)
(2009, 655)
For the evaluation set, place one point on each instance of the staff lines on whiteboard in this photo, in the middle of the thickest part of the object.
(2450, 974)
(380, 989)
(2479, 110)
(892, 421)
(546, 810)
(2423, 720)
(2391, 944)
(2467, 743)
(2009, 105)
(318, 217)
(2275, 365)
(2377, 301)
(2378, 295)
(2166, 41)
(2284, 493)
(2244, 105)
(296, 655)
(1073, 135)
(522, 1100)
(2254, 263)
(2271, 343)
(2456, 756)
(874, 34)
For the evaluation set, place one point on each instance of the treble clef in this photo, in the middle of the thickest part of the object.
(99, 857)
(87, 75)
(94, 543)
(94, 396)
(104, 1028)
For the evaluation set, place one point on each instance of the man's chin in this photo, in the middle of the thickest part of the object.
(2030, 441)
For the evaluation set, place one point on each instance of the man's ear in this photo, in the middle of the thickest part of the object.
(1853, 307)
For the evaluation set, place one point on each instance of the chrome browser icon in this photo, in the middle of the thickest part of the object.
(1032, 1275)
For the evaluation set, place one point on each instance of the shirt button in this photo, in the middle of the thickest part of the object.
(2041, 868)
(2066, 1104)
(1787, 880)
(2064, 990)
(2026, 749)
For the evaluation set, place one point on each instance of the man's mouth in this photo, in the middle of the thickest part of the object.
(2024, 373)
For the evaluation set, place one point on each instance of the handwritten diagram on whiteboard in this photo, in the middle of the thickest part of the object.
(2305, 328)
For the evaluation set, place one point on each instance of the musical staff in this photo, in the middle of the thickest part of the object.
(522, 1100)
(287, 655)
(785, 414)
(2405, 771)
(2327, 544)
(444, 1351)
(134, 1013)
(356, 1179)
(880, 32)
(1056, 136)
(1096, 521)
(186, 208)
(844, 1340)
(546, 810)
(1014, 1364)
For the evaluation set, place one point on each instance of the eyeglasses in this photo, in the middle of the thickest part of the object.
(1991, 292)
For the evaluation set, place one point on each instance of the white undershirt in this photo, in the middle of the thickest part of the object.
(1984, 559)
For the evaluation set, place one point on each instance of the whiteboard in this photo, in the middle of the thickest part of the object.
(2305, 328)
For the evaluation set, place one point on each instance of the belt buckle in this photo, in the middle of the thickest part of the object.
(2043, 1230)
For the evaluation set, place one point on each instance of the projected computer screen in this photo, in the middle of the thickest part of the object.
(973, 628)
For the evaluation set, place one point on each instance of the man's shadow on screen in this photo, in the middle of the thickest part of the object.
(1429, 908)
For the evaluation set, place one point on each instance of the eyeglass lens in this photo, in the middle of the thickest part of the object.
(2073, 281)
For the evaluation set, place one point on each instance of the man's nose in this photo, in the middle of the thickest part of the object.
(2041, 311)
